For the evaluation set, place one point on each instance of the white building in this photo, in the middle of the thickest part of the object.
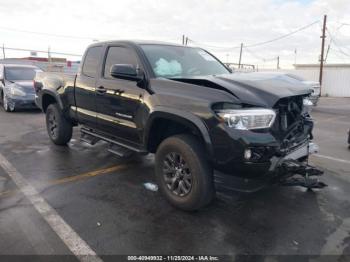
(336, 77)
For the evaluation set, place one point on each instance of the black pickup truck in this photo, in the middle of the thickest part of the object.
(184, 105)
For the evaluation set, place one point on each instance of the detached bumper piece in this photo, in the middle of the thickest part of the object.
(295, 173)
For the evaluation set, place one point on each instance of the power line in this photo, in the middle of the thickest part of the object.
(259, 56)
(283, 36)
(259, 43)
(213, 46)
(40, 51)
(339, 52)
(336, 44)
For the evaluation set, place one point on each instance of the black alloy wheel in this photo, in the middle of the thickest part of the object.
(177, 174)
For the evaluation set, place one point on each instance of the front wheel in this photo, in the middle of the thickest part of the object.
(60, 130)
(183, 173)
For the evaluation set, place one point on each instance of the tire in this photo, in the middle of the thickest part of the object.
(59, 129)
(5, 104)
(190, 167)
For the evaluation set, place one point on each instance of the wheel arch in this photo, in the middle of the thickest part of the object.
(48, 97)
(167, 117)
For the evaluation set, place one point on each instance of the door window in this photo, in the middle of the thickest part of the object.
(91, 61)
(119, 55)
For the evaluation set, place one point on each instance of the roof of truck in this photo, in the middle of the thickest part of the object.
(135, 42)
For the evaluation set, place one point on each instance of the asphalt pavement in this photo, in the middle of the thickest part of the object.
(102, 199)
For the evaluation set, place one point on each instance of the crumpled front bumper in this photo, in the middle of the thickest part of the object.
(269, 163)
(300, 151)
(289, 171)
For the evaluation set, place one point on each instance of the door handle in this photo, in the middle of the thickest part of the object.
(101, 90)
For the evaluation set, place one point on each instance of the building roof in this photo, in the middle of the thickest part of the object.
(318, 65)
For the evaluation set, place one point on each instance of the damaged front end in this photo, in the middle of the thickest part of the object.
(294, 169)
(293, 128)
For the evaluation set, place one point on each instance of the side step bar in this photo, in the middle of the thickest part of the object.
(115, 147)
(120, 151)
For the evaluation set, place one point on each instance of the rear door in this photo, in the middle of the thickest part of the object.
(85, 87)
(118, 101)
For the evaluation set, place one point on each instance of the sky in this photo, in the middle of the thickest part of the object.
(219, 26)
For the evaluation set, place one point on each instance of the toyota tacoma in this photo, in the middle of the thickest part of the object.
(185, 106)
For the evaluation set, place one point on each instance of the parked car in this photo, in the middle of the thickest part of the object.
(17, 87)
(314, 85)
(184, 105)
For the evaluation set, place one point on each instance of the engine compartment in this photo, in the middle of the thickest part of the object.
(292, 125)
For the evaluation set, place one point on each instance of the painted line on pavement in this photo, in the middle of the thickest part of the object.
(74, 178)
(72, 240)
(88, 174)
(333, 158)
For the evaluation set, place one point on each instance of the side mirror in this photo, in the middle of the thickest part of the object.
(126, 72)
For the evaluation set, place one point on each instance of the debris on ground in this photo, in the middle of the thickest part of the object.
(151, 186)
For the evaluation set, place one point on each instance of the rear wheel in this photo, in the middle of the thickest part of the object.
(60, 130)
(183, 173)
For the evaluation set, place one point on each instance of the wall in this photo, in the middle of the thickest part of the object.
(336, 80)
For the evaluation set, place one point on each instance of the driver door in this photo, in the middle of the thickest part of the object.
(118, 101)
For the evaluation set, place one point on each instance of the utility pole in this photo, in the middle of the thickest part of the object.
(49, 58)
(3, 50)
(323, 37)
(183, 39)
(325, 59)
(278, 62)
(240, 56)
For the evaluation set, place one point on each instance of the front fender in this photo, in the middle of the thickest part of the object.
(183, 117)
(43, 96)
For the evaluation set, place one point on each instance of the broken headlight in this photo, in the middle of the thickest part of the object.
(247, 119)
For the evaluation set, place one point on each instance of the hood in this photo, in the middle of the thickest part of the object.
(259, 89)
(262, 88)
(26, 85)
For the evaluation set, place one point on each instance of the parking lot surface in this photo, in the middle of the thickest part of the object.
(103, 200)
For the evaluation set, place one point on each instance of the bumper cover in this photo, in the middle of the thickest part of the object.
(22, 102)
(283, 171)
(314, 99)
(271, 167)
